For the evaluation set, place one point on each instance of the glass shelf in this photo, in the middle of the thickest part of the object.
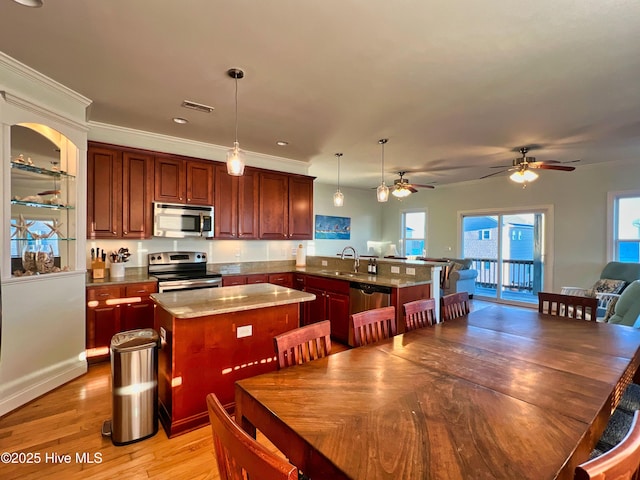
(42, 205)
(43, 239)
(38, 170)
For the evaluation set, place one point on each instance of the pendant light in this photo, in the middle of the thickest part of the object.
(235, 156)
(338, 197)
(382, 191)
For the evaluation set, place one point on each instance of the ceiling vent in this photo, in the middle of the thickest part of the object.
(197, 106)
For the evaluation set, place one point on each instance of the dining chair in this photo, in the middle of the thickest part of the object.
(419, 313)
(238, 455)
(571, 306)
(371, 326)
(622, 462)
(455, 305)
(303, 344)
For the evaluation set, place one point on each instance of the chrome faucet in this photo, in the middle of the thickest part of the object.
(356, 262)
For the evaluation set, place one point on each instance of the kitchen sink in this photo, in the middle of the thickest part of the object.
(343, 274)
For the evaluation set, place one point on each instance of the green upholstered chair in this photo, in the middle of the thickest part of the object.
(622, 271)
(627, 307)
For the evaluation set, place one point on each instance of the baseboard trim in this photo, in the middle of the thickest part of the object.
(31, 387)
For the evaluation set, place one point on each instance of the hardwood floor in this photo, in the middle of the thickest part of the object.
(60, 434)
(67, 422)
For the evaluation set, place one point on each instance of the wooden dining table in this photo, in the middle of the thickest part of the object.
(502, 393)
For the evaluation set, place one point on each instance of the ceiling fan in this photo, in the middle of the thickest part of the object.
(522, 167)
(402, 188)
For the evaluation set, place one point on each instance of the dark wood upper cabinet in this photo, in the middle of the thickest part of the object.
(179, 180)
(119, 193)
(274, 206)
(104, 192)
(300, 208)
(137, 192)
(236, 204)
(286, 207)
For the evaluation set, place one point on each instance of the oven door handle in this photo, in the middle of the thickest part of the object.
(191, 285)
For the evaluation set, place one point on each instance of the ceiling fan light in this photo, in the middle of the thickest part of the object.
(338, 199)
(401, 192)
(382, 192)
(523, 176)
(235, 161)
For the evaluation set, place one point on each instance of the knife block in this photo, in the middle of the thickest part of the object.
(97, 269)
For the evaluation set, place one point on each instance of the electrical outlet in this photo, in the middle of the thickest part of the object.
(324, 263)
(395, 269)
(294, 251)
(411, 271)
(244, 331)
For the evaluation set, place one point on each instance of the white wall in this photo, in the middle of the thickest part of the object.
(360, 205)
(579, 200)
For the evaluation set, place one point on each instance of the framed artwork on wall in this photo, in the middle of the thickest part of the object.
(332, 228)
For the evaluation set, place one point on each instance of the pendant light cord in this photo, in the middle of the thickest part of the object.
(236, 78)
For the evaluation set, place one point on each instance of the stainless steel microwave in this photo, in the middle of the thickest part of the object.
(181, 221)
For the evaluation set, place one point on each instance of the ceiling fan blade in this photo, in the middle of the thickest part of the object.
(422, 186)
(411, 189)
(544, 166)
(495, 173)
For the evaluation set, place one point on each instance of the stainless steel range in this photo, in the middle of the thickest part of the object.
(182, 271)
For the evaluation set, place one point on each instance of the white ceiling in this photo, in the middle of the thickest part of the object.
(456, 86)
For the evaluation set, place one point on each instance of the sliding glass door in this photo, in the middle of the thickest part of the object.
(508, 252)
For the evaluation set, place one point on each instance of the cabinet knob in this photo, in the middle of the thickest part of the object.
(124, 233)
(113, 233)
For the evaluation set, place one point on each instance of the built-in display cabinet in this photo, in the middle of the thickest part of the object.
(43, 226)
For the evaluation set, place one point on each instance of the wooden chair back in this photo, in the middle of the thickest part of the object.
(303, 344)
(238, 455)
(374, 325)
(419, 313)
(455, 305)
(571, 306)
(622, 462)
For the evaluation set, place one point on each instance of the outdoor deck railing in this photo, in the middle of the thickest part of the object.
(517, 275)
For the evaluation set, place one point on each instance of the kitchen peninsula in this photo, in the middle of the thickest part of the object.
(212, 337)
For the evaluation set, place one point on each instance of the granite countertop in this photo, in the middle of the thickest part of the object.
(386, 281)
(132, 275)
(216, 301)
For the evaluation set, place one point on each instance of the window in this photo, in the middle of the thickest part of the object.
(484, 234)
(625, 231)
(414, 233)
(44, 235)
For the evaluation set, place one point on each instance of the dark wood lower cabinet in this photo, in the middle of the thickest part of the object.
(204, 354)
(116, 308)
(331, 303)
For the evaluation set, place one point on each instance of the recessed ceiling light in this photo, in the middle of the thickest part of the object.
(282, 143)
(30, 3)
(180, 120)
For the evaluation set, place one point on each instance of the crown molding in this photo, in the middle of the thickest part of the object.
(181, 146)
(27, 73)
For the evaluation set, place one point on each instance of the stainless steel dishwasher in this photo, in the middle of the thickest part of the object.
(366, 296)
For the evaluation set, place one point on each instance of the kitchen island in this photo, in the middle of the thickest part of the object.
(212, 337)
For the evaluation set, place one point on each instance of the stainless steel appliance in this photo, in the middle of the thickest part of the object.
(366, 296)
(180, 221)
(182, 271)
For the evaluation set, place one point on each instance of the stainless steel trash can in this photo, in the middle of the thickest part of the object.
(134, 370)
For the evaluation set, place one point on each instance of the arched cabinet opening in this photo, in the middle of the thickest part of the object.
(43, 196)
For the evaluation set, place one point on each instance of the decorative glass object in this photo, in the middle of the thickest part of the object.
(29, 255)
